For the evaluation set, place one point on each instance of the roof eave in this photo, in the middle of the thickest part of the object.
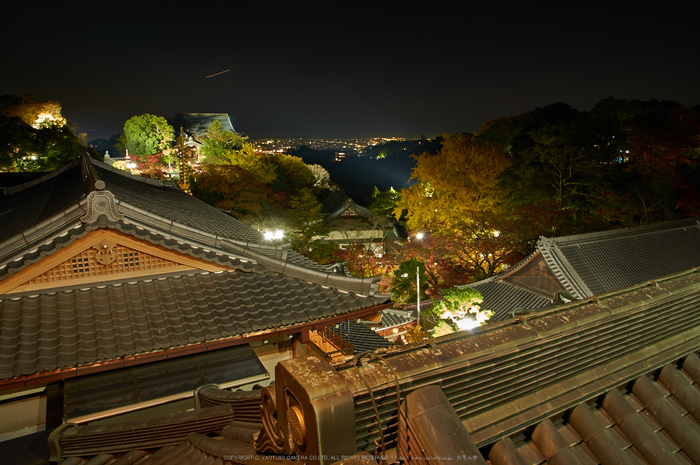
(140, 359)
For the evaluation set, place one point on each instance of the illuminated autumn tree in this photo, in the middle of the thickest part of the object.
(461, 178)
(259, 165)
(236, 190)
(363, 259)
(35, 114)
(437, 257)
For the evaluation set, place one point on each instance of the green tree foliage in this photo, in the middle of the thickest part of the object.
(307, 223)
(24, 148)
(383, 203)
(147, 135)
(564, 169)
(460, 307)
(291, 174)
(404, 284)
(217, 143)
(260, 166)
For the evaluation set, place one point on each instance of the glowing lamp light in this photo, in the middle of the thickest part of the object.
(273, 235)
(467, 323)
(420, 236)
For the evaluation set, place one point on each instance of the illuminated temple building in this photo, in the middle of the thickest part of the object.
(119, 293)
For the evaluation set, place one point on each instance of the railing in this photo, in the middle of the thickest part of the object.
(331, 346)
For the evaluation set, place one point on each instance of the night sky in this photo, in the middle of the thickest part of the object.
(307, 69)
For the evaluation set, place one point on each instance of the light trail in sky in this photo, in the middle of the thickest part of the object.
(216, 74)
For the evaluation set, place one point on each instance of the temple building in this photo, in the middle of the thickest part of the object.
(120, 293)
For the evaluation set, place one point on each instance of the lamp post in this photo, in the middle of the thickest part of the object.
(418, 295)
(419, 236)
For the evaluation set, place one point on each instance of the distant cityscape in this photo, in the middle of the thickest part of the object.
(359, 145)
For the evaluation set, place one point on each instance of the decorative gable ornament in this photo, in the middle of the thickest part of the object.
(101, 203)
(105, 254)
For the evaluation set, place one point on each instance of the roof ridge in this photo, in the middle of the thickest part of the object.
(91, 180)
(39, 180)
(154, 182)
(562, 268)
(630, 230)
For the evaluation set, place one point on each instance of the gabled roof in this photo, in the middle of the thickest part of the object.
(392, 317)
(592, 264)
(337, 204)
(61, 206)
(596, 263)
(360, 336)
(62, 318)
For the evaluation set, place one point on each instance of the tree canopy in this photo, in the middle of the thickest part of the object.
(147, 135)
(217, 143)
(34, 136)
(35, 114)
(463, 177)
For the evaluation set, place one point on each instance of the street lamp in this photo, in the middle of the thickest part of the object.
(420, 237)
(418, 295)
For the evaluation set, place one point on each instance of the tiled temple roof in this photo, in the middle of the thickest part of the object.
(602, 262)
(360, 336)
(69, 325)
(592, 264)
(612, 379)
(502, 297)
(197, 124)
(61, 329)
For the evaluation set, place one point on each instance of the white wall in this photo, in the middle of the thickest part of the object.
(24, 416)
(273, 352)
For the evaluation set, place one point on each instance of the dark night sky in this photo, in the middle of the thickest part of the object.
(332, 69)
